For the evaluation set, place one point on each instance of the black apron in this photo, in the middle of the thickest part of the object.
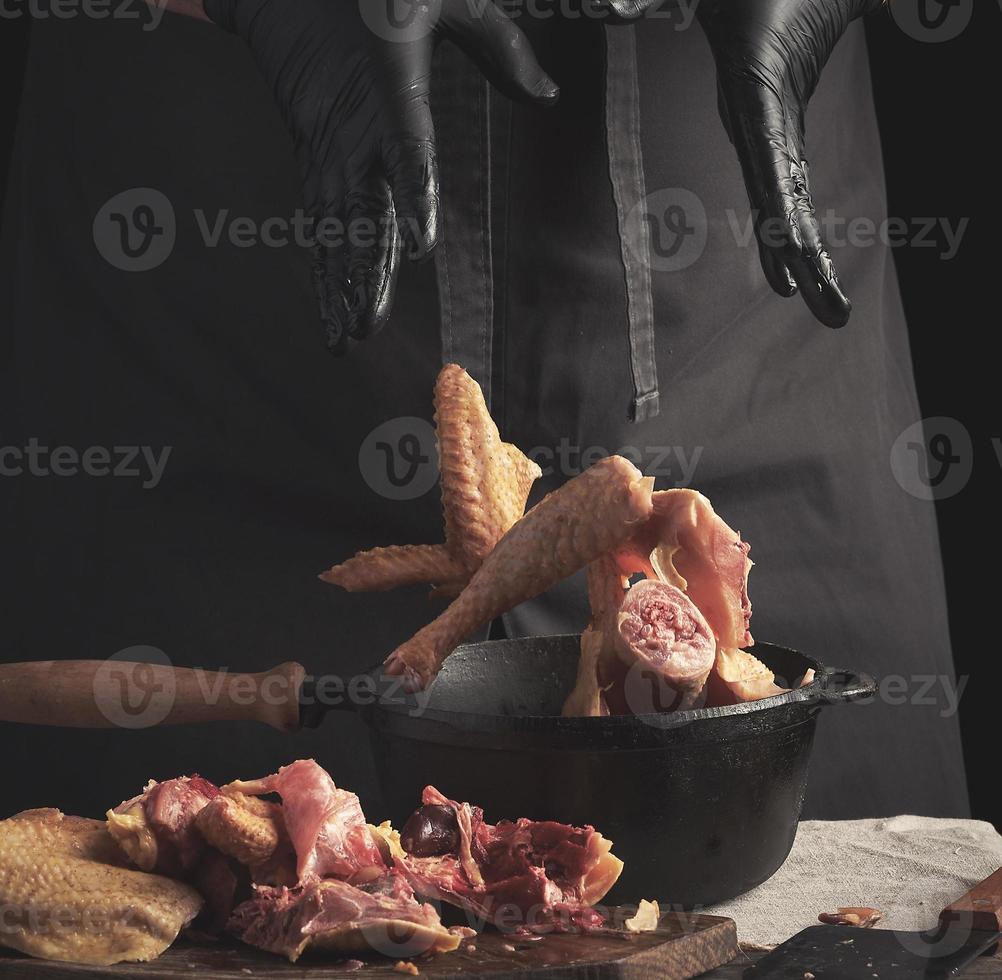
(598, 321)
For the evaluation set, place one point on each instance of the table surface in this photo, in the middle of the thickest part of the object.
(987, 966)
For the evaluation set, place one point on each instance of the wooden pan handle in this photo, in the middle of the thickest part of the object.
(122, 694)
(980, 908)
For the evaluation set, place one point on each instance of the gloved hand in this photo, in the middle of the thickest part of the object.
(352, 82)
(769, 56)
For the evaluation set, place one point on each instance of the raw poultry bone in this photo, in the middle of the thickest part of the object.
(667, 646)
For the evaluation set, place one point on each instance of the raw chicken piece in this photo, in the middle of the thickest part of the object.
(158, 831)
(217, 879)
(380, 915)
(157, 828)
(66, 895)
(382, 569)
(687, 545)
(587, 699)
(325, 824)
(485, 482)
(252, 832)
(648, 648)
(248, 836)
(524, 876)
(667, 646)
(592, 514)
(862, 918)
(607, 587)
(739, 676)
(647, 918)
(599, 667)
(485, 485)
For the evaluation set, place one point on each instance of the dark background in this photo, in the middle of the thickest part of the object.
(934, 106)
(937, 109)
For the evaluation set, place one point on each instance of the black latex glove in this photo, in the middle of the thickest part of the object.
(769, 56)
(354, 90)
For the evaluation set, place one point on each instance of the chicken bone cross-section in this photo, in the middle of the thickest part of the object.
(648, 648)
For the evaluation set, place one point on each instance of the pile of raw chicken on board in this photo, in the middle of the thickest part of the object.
(288, 864)
(672, 641)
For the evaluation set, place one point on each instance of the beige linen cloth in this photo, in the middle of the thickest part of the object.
(907, 867)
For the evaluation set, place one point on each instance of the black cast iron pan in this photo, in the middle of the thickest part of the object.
(702, 805)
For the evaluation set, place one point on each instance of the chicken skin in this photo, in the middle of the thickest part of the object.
(68, 895)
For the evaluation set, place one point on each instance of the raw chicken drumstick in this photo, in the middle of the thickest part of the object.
(485, 485)
(592, 514)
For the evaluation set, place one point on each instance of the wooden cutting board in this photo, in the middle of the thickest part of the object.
(684, 946)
